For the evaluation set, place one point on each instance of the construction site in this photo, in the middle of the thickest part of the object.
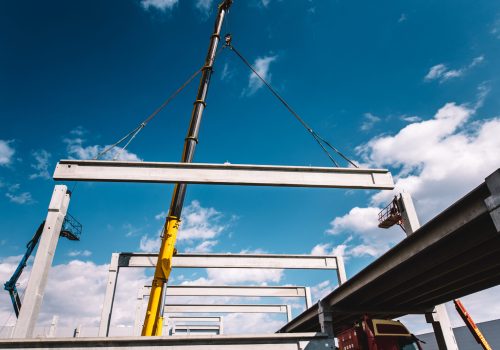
(451, 256)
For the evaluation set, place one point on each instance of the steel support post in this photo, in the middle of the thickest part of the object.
(439, 317)
(43, 260)
(109, 297)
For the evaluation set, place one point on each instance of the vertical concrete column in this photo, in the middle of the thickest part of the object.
(139, 316)
(43, 260)
(288, 313)
(308, 297)
(341, 270)
(109, 297)
(325, 318)
(439, 317)
(53, 326)
(221, 325)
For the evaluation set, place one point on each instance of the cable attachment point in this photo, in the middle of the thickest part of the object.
(228, 39)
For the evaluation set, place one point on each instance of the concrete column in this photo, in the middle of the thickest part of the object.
(288, 313)
(77, 331)
(221, 325)
(341, 270)
(308, 297)
(109, 297)
(53, 326)
(325, 318)
(43, 260)
(439, 317)
(139, 316)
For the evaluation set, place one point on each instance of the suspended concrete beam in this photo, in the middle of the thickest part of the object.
(223, 174)
(181, 319)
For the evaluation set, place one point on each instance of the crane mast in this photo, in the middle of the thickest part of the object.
(153, 323)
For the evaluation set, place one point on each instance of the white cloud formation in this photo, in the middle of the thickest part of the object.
(204, 5)
(162, 5)
(402, 18)
(84, 253)
(357, 220)
(200, 223)
(20, 198)
(41, 164)
(235, 276)
(442, 73)
(203, 247)
(6, 152)
(369, 120)
(261, 65)
(77, 150)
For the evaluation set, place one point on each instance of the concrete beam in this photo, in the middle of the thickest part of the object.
(43, 260)
(256, 261)
(233, 291)
(225, 308)
(222, 174)
(297, 341)
(195, 319)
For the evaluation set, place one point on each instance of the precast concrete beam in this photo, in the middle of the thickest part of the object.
(223, 174)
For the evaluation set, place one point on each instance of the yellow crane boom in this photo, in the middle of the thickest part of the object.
(478, 335)
(153, 322)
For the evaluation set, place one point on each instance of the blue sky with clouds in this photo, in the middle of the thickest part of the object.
(409, 86)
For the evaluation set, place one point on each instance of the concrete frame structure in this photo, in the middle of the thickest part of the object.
(33, 295)
(187, 322)
(439, 316)
(203, 329)
(220, 291)
(223, 174)
(260, 261)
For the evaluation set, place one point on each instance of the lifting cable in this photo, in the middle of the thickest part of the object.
(320, 140)
(132, 134)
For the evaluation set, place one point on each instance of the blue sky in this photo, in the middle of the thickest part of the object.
(412, 86)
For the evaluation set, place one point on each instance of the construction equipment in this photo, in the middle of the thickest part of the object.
(375, 334)
(71, 229)
(153, 323)
(476, 333)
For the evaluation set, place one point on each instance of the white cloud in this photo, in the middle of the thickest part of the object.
(442, 73)
(402, 18)
(42, 164)
(20, 198)
(261, 65)
(411, 118)
(200, 223)
(161, 5)
(227, 73)
(265, 3)
(203, 247)
(369, 120)
(204, 5)
(321, 290)
(84, 253)
(76, 150)
(149, 244)
(6, 152)
(236, 276)
(357, 220)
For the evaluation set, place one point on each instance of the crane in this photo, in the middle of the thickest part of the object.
(71, 229)
(153, 322)
(476, 333)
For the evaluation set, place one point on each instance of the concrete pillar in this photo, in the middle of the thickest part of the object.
(53, 326)
(341, 270)
(308, 297)
(109, 297)
(439, 317)
(221, 325)
(139, 316)
(325, 318)
(43, 260)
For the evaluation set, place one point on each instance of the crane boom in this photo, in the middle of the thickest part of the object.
(478, 335)
(153, 322)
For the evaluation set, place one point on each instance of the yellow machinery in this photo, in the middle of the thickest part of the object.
(153, 323)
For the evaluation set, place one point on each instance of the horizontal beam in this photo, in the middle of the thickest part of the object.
(222, 174)
(233, 291)
(255, 261)
(195, 318)
(224, 308)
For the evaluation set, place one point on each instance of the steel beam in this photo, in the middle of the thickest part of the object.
(251, 261)
(223, 174)
(43, 260)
